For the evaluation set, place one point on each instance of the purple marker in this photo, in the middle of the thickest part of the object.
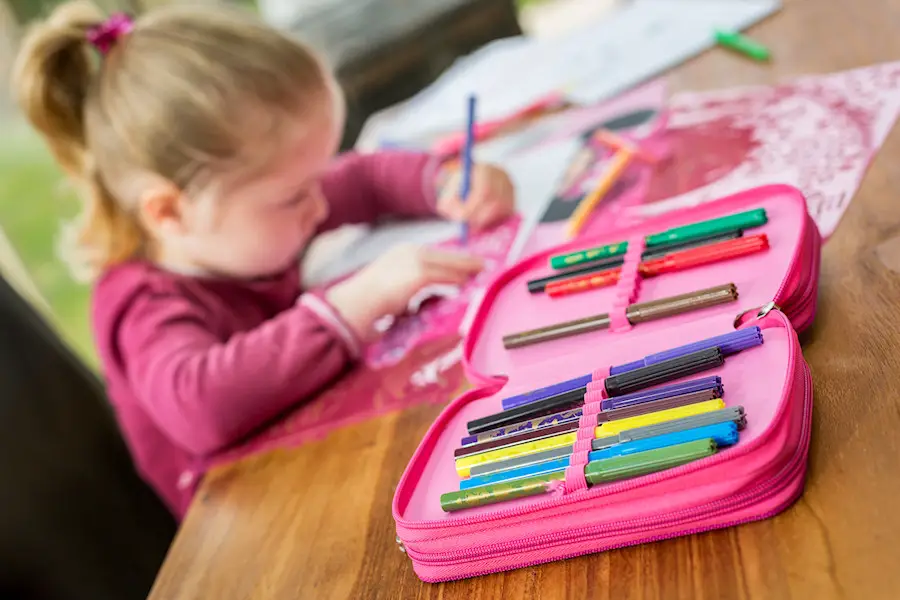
(713, 382)
(546, 391)
(729, 343)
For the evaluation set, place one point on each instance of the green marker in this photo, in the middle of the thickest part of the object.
(590, 255)
(597, 471)
(648, 461)
(739, 43)
(744, 220)
(685, 233)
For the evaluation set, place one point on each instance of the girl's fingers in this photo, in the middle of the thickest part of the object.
(451, 207)
(490, 199)
(454, 208)
(489, 212)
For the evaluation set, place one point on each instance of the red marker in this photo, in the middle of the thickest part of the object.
(677, 261)
(705, 255)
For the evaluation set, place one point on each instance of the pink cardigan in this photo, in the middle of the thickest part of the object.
(194, 365)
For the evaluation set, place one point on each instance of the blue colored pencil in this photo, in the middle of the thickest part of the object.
(466, 182)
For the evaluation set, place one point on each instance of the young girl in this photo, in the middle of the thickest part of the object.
(203, 143)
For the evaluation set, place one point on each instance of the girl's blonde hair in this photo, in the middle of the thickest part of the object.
(180, 97)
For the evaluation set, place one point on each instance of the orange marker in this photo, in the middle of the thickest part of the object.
(591, 281)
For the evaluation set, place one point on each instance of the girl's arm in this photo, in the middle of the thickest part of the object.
(206, 393)
(363, 188)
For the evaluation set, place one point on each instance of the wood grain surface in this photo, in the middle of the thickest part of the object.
(315, 522)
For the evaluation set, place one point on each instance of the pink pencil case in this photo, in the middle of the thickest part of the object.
(758, 477)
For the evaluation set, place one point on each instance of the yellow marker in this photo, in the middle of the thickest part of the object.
(465, 463)
(661, 416)
(617, 165)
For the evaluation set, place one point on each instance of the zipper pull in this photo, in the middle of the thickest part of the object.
(761, 312)
(400, 543)
(767, 309)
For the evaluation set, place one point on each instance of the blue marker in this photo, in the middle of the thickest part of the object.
(724, 434)
(466, 183)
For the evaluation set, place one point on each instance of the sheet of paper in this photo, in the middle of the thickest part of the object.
(640, 40)
(534, 175)
(818, 133)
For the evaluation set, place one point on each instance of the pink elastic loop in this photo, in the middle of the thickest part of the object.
(592, 408)
(628, 285)
(597, 386)
(585, 421)
(600, 374)
(575, 480)
(618, 321)
(582, 445)
(595, 396)
(556, 487)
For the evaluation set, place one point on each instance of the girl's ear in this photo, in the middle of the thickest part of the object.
(161, 208)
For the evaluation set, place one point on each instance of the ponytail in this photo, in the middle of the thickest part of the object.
(52, 78)
(103, 234)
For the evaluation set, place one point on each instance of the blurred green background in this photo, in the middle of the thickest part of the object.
(33, 201)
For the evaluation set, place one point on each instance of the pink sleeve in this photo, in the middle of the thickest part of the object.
(363, 188)
(206, 393)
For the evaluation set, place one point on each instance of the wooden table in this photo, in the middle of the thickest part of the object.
(290, 525)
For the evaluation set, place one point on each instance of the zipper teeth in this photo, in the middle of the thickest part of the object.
(763, 490)
(795, 258)
(553, 501)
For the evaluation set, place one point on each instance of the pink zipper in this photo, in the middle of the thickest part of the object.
(770, 487)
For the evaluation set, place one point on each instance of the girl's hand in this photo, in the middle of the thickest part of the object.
(386, 285)
(491, 197)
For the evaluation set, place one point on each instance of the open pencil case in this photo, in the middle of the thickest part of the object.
(758, 477)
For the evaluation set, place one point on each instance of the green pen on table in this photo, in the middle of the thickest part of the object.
(728, 223)
(597, 471)
(742, 44)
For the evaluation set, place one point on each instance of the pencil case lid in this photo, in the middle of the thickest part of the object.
(785, 277)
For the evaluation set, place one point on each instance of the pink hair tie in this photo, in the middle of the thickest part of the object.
(104, 36)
